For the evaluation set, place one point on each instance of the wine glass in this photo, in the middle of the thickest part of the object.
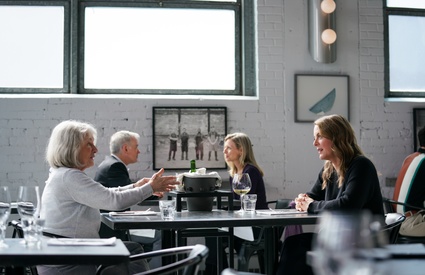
(4, 213)
(341, 241)
(28, 202)
(241, 185)
(29, 209)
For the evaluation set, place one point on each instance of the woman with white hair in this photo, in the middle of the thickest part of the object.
(71, 199)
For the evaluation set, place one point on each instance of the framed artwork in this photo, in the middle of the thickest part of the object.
(319, 95)
(418, 123)
(181, 134)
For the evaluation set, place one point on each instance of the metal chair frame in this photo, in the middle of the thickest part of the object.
(196, 254)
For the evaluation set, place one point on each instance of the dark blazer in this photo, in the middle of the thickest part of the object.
(112, 173)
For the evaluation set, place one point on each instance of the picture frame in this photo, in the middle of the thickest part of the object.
(173, 149)
(317, 95)
(418, 123)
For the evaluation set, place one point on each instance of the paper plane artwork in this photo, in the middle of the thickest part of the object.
(325, 104)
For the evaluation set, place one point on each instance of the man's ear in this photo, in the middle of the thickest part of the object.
(124, 148)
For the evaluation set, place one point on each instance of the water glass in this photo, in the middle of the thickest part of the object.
(167, 209)
(249, 201)
(33, 232)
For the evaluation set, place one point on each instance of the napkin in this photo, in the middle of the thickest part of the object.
(279, 212)
(133, 213)
(81, 242)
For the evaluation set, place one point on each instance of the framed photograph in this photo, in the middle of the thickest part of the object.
(319, 95)
(181, 134)
(418, 123)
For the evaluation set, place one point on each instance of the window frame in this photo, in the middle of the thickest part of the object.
(73, 79)
(66, 50)
(388, 11)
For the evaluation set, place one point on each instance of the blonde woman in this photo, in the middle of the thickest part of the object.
(239, 156)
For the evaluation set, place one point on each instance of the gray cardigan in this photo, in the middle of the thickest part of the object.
(71, 201)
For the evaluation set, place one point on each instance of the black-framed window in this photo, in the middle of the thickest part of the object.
(194, 47)
(404, 24)
(33, 50)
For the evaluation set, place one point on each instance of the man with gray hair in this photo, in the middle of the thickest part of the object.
(113, 172)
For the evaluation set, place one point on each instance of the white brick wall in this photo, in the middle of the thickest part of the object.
(283, 147)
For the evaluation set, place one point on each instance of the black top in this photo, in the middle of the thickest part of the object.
(360, 190)
(257, 186)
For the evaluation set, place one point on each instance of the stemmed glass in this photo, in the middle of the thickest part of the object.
(241, 185)
(28, 202)
(4, 213)
(29, 209)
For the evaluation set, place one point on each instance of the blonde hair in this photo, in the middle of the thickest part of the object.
(243, 142)
(65, 143)
(344, 145)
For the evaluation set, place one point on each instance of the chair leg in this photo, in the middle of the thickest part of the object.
(260, 255)
(245, 255)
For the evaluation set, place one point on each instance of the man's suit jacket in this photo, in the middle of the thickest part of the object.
(112, 173)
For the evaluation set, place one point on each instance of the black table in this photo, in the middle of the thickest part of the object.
(215, 218)
(17, 254)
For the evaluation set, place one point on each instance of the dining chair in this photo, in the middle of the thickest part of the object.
(183, 234)
(189, 265)
(392, 229)
(17, 229)
(250, 248)
(389, 208)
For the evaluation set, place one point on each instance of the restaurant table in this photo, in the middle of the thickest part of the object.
(214, 218)
(17, 254)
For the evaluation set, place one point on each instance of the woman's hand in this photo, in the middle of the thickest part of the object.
(302, 202)
(161, 183)
(141, 182)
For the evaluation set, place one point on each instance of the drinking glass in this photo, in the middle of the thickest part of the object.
(29, 202)
(241, 185)
(29, 209)
(4, 213)
(340, 241)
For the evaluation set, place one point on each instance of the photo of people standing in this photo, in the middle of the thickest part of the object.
(191, 130)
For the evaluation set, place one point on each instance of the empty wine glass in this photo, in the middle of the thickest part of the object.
(340, 240)
(29, 209)
(241, 185)
(4, 213)
(29, 202)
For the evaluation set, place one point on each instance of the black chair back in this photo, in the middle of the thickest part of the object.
(391, 230)
(196, 254)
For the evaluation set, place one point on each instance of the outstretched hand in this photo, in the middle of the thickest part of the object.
(162, 183)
